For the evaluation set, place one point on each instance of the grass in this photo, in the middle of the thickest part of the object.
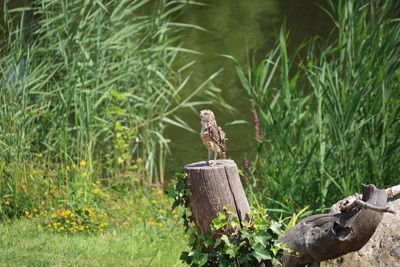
(23, 245)
(330, 123)
(141, 231)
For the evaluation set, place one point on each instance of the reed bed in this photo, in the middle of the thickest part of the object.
(87, 90)
(331, 122)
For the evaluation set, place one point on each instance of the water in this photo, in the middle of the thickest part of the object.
(237, 28)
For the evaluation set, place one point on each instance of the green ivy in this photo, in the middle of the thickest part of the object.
(229, 243)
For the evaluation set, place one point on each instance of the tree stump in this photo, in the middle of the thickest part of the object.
(213, 189)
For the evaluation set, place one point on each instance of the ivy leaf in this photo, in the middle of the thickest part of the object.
(207, 243)
(235, 222)
(261, 239)
(276, 228)
(231, 252)
(225, 239)
(244, 232)
(185, 257)
(260, 253)
(198, 258)
(219, 221)
(274, 250)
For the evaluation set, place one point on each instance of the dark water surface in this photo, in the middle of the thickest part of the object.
(238, 28)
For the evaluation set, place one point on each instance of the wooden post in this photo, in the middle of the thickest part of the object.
(213, 188)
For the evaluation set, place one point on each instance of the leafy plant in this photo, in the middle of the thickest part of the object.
(229, 243)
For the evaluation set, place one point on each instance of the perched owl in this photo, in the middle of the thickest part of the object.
(213, 137)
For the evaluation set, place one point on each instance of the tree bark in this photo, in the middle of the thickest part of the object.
(215, 188)
(327, 236)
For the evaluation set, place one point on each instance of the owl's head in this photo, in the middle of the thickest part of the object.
(207, 115)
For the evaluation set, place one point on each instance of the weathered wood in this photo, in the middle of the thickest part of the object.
(214, 188)
(327, 236)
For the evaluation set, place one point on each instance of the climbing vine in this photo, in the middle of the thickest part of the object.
(229, 244)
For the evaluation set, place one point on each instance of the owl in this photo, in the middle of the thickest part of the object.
(213, 137)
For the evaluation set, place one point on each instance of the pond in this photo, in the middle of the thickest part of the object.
(237, 28)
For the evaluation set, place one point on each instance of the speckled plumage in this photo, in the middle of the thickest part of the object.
(212, 136)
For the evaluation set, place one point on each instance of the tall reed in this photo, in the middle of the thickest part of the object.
(331, 122)
(87, 89)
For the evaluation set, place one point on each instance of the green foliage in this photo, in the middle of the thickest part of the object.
(233, 245)
(330, 123)
(180, 194)
(230, 243)
(88, 80)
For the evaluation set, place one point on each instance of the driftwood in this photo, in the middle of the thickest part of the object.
(327, 236)
(215, 188)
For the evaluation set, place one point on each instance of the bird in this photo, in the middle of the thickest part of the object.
(212, 136)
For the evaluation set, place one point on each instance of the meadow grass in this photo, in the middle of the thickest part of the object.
(23, 245)
(140, 231)
(331, 122)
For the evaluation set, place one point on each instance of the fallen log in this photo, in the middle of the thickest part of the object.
(327, 236)
(382, 249)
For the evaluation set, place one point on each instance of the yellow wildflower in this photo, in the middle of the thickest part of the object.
(135, 166)
(39, 155)
(42, 203)
(98, 182)
(53, 215)
(82, 163)
(96, 190)
(154, 201)
(159, 192)
(39, 227)
(7, 202)
(67, 167)
(85, 174)
(139, 160)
